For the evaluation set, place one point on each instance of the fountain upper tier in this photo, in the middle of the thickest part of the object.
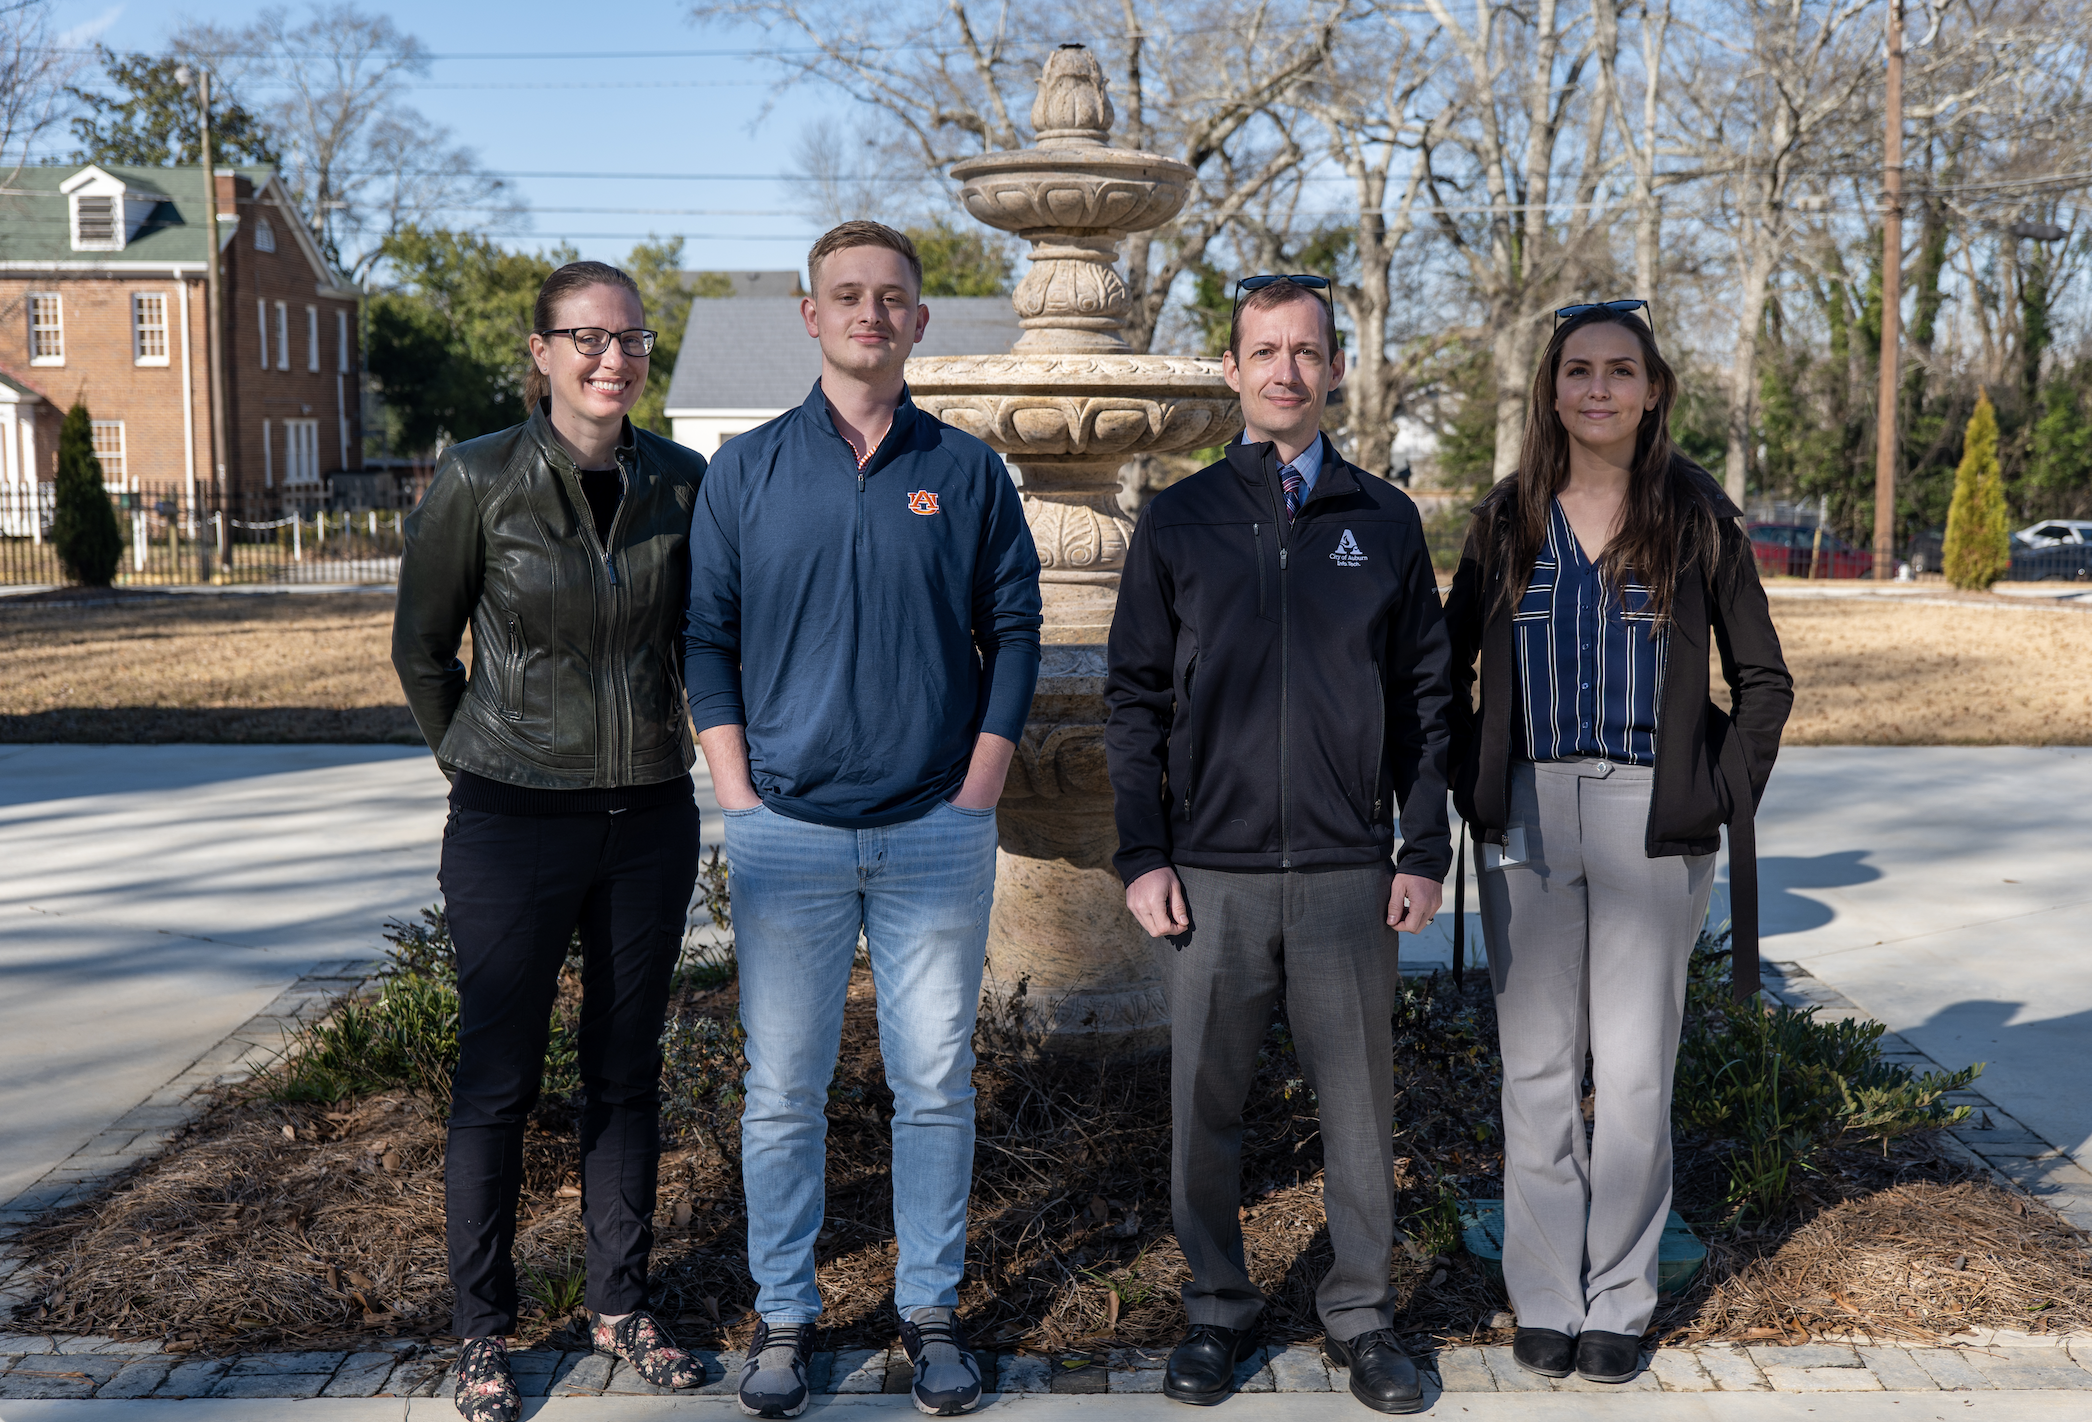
(1072, 401)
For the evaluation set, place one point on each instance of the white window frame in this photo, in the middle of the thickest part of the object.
(301, 453)
(268, 459)
(312, 338)
(55, 330)
(120, 480)
(141, 329)
(283, 335)
(264, 234)
(341, 340)
(261, 316)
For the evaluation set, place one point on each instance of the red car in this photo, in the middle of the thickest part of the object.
(1789, 549)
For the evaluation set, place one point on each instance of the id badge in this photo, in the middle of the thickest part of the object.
(1511, 851)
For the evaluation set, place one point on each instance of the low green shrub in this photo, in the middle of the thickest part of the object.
(405, 1036)
(1775, 1087)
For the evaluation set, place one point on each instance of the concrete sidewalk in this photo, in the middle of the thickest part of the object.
(156, 899)
(1324, 1407)
(1943, 890)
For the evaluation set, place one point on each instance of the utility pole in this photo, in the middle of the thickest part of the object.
(213, 340)
(1885, 440)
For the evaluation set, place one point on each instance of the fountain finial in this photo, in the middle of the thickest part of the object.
(1074, 103)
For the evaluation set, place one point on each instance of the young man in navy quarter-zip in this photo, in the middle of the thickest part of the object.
(862, 643)
(1278, 691)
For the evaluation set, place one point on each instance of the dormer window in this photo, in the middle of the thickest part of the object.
(264, 235)
(94, 223)
(106, 212)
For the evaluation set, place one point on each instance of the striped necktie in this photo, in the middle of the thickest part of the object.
(1293, 484)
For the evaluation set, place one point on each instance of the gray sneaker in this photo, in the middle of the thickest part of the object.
(773, 1380)
(947, 1376)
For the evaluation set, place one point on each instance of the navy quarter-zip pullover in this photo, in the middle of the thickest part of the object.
(864, 624)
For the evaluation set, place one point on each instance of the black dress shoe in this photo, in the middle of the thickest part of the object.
(1544, 1351)
(1382, 1376)
(1608, 1357)
(1202, 1368)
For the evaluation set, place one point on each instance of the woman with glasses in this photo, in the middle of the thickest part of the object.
(562, 542)
(1596, 775)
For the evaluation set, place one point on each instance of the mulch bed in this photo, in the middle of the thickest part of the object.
(309, 1225)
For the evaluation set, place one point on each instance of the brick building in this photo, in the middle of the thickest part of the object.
(102, 300)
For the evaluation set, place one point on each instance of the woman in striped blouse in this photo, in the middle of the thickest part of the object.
(1596, 774)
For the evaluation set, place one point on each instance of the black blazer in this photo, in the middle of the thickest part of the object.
(1711, 767)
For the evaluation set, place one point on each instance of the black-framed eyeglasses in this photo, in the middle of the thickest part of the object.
(1308, 280)
(1623, 308)
(594, 340)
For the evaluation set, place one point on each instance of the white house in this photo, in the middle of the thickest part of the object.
(747, 359)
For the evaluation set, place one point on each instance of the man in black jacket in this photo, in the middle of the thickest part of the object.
(1278, 687)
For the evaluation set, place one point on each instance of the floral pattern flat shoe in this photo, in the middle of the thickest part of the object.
(645, 1344)
(486, 1390)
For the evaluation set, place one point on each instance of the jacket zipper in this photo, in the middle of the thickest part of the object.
(621, 701)
(1191, 750)
(1256, 534)
(512, 689)
(1285, 678)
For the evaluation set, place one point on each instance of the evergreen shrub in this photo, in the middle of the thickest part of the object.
(84, 532)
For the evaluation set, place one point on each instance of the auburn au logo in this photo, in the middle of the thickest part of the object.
(922, 501)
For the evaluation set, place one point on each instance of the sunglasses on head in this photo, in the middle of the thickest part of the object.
(1306, 280)
(1566, 313)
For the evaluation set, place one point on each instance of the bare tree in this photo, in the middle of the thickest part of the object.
(1378, 114)
(34, 75)
(1525, 132)
(1642, 145)
(869, 172)
(1202, 81)
(1775, 102)
(357, 159)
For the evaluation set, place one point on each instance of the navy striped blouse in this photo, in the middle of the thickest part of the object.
(1590, 670)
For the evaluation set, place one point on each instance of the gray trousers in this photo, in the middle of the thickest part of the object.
(1323, 938)
(1588, 945)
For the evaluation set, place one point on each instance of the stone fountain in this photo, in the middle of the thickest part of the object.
(1069, 405)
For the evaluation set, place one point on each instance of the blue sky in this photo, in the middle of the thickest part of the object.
(664, 113)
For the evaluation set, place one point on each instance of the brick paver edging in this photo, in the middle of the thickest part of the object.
(1991, 1137)
(147, 1128)
(38, 1366)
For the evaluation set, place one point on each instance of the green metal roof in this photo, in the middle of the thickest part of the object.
(36, 224)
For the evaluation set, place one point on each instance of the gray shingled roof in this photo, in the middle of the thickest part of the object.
(757, 283)
(753, 353)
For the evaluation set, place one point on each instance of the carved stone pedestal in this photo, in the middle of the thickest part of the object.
(1068, 406)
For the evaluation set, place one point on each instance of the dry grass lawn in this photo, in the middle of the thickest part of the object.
(281, 667)
(1976, 673)
(201, 667)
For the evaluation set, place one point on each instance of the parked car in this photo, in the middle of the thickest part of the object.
(2055, 533)
(2072, 561)
(1789, 549)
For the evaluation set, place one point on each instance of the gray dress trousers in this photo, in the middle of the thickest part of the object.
(1588, 944)
(1322, 936)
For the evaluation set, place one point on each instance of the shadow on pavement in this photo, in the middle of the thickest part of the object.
(212, 725)
(1782, 910)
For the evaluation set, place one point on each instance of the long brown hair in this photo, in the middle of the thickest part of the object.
(544, 315)
(1669, 518)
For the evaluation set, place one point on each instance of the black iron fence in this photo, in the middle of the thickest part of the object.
(279, 536)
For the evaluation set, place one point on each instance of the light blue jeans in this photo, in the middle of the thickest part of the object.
(920, 891)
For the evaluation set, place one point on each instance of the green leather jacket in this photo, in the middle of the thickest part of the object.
(576, 678)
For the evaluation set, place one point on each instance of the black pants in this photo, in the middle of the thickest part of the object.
(515, 888)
